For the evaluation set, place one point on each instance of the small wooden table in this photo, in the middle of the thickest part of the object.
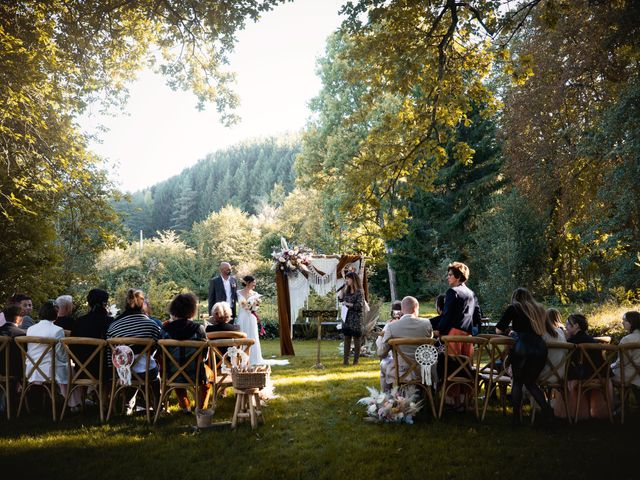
(320, 315)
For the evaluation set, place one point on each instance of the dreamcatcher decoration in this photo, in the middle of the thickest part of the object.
(123, 359)
(238, 359)
(426, 356)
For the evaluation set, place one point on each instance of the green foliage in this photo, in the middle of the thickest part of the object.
(245, 176)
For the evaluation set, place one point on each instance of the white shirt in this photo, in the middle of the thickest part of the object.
(46, 328)
(227, 288)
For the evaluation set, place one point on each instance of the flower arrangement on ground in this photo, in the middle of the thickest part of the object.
(394, 406)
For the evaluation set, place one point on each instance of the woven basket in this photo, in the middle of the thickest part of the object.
(255, 378)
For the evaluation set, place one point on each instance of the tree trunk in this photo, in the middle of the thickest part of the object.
(393, 290)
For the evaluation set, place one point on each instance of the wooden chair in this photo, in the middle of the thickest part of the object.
(461, 370)
(48, 383)
(80, 374)
(411, 374)
(554, 376)
(223, 335)
(495, 374)
(186, 370)
(629, 371)
(222, 380)
(600, 376)
(139, 381)
(5, 372)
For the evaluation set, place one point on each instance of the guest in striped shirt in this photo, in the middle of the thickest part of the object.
(134, 323)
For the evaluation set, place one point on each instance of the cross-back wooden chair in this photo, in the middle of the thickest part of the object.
(140, 381)
(589, 355)
(80, 372)
(33, 363)
(5, 372)
(222, 380)
(495, 374)
(408, 370)
(181, 371)
(629, 372)
(554, 375)
(461, 370)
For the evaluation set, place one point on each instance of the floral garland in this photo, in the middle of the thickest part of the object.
(394, 406)
(291, 260)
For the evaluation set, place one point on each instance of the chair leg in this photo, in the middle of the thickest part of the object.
(252, 412)
(53, 400)
(23, 393)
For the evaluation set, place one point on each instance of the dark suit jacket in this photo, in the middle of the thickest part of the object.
(461, 310)
(15, 357)
(217, 293)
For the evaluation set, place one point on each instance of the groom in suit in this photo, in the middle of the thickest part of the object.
(223, 287)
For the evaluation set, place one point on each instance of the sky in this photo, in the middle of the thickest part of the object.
(160, 132)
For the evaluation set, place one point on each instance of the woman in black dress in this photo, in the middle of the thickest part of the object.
(527, 320)
(352, 297)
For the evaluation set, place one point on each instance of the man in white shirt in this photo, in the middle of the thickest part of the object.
(222, 288)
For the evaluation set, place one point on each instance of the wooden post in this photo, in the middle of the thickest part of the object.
(318, 364)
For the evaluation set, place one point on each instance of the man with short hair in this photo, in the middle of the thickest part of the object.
(65, 309)
(26, 304)
(223, 287)
(410, 325)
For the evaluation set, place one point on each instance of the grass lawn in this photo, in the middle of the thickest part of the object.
(315, 430)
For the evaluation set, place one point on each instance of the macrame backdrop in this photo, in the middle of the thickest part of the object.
(325, 274)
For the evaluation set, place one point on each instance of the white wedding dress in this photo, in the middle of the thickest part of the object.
(249, 325)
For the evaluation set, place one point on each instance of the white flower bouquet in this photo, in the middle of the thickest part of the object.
(395, 406)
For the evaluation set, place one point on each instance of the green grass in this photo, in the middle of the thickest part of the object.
(315, 430)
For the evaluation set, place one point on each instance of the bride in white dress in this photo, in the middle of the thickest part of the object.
(248, 300)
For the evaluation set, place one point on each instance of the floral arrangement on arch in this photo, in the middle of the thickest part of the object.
(394, 406)
(290, 260)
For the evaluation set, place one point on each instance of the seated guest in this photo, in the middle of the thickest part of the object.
(46, 328)
(410, 325)
(65, 309)
(386, 363)
(553, 332)
(183, 308)
(631, 323)
(593, 403)
(9, 318)
(148, 311)
(132, 322)
(92, 325)
(219, 321)
(26, 304)
(435, 321)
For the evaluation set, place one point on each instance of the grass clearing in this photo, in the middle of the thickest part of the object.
(315, 430)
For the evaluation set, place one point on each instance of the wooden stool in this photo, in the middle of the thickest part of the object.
(247, 406)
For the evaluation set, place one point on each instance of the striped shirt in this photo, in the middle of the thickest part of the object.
(134, 325)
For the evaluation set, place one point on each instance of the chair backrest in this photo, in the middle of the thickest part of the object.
(597, 357)
(498, 348)
(147, 346)
(400, 358)
(36, 360)
(67, 333)
(629, 362)
(220, 335)
(93, 348)
(178, 370)
(217, 357)
(465, 365)
(554, 374)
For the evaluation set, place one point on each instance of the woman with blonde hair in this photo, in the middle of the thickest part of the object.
(527, 319)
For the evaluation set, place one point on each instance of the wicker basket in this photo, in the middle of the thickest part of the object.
(255, 378)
